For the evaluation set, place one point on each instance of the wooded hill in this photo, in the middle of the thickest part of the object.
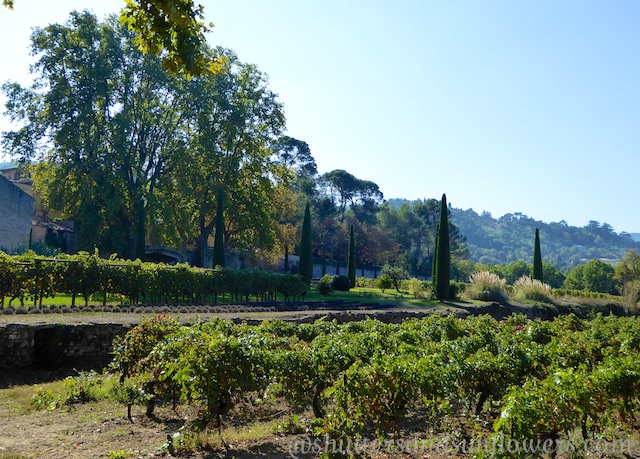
(510, 238)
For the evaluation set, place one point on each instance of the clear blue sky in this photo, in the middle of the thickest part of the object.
(507, 106)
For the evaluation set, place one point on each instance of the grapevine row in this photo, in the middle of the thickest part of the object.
(27, 277)
(531, 379)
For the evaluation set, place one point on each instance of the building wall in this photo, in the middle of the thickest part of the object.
(16, 214)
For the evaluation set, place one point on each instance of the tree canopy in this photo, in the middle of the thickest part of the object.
(171, 29)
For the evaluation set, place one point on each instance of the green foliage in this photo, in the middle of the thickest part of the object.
(396, 273)
(575, 279)
(341, 283)
(411, 228)
(442, 269)
(552, 275)
(351, 261)
(325, 286)
(530, 379)
(173, 29)
(218, 244)
(417, 288)
(595, 276)
(27, 277)
(43, 399)
(537, 259)
(306, 256)
(508, 238)
(384, 282)
(121, 156)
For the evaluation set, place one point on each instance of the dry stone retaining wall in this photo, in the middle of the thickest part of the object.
(51, 346)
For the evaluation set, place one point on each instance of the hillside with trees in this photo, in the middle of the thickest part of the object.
(510, 238)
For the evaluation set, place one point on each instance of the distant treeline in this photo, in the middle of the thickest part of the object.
(510, 238)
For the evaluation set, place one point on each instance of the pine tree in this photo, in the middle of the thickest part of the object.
(443, 256)
(306, 259)
(537, 258)
(351, 262)
(218, 241)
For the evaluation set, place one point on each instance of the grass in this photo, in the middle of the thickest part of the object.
(18, 399)
(210, 439)
(365, 295)
(391, 297)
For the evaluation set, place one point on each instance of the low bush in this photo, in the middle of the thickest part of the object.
(384, 282)
(416, 288)
(325, 286)
(340, 283)
(486, 286)
(366, 282)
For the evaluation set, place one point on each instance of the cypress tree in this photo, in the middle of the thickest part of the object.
(537, 258)
(434, 258)
(286, 258)
(306, 259)
(443, 255)
(351, 262)
(218, 240)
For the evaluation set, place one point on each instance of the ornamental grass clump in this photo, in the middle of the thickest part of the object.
(527, 288)
(487, 286)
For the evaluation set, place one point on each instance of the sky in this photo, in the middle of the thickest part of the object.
(528, 106)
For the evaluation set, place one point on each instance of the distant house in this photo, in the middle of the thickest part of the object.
(22, 217)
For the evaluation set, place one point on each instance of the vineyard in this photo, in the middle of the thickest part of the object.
(569, 380)
(28, 278)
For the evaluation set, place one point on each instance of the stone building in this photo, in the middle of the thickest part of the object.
(16, 215)
(16, 192)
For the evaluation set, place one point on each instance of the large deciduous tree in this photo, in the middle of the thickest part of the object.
(103, 120)
(233, 119)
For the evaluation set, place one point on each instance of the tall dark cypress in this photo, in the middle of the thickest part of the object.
(434, 259)
(218, 240)
(537, 258)
(443, 255)
(351, 262)
(306, 259)
(286, 258)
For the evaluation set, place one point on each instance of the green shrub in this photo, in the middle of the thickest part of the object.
(384, 282)
(417, 288)
(325, 287)
(486, 286)
(456, 289)
(341, 283)
(365, 282)
(527, 288)
(43, 399)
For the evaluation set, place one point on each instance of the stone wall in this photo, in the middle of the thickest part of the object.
(52, 346)
(16, 213)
